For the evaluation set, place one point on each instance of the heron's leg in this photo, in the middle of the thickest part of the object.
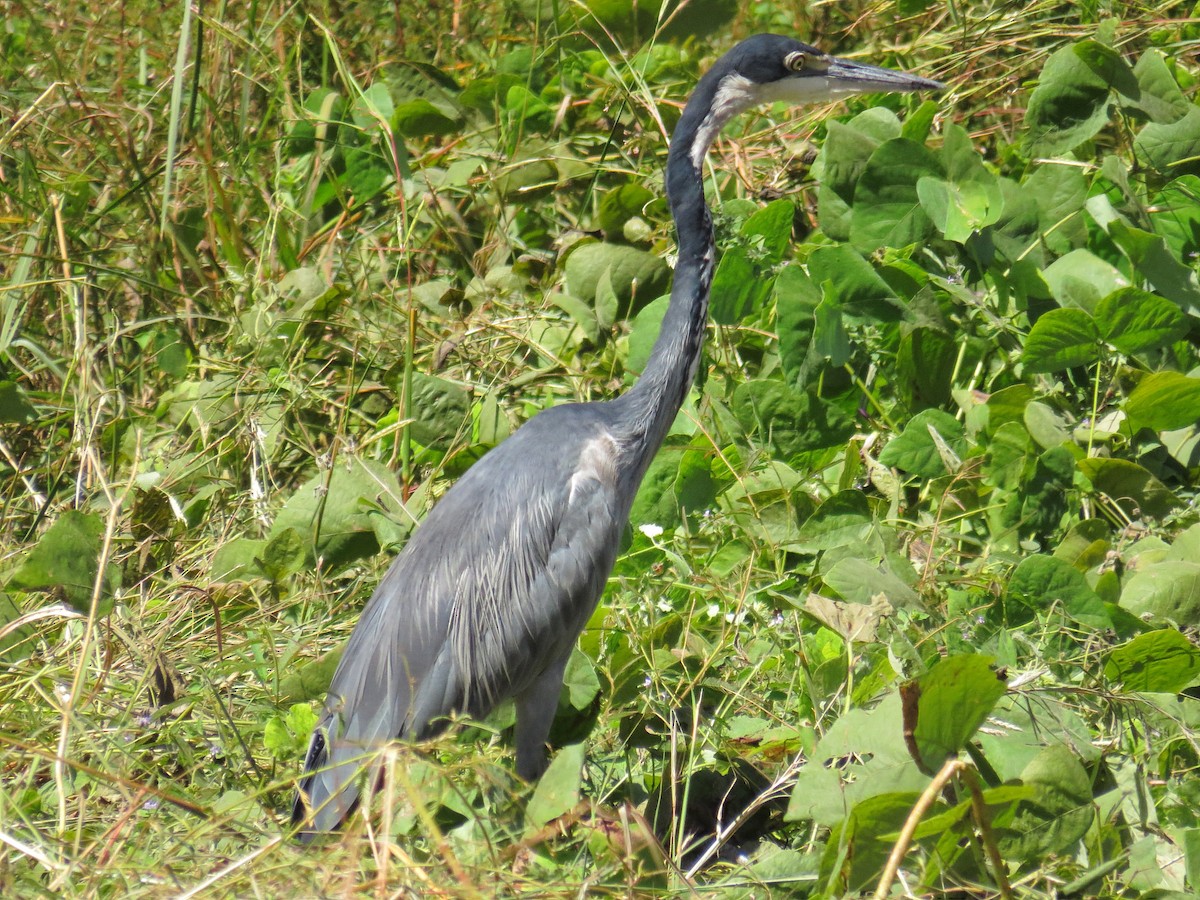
(535, 715)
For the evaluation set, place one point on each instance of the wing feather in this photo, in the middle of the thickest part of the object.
(492, 588)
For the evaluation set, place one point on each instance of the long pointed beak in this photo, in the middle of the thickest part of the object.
(847, 77)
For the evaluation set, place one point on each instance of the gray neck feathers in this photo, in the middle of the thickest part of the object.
(650, 406)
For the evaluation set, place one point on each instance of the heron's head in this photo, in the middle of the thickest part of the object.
(770, 67)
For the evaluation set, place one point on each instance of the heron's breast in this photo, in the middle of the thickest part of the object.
(597, 463)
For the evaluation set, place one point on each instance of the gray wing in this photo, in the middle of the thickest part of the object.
(493, 588)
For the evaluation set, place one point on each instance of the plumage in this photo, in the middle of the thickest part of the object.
(489, 595)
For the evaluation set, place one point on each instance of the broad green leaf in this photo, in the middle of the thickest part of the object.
(1159, 661)
(1061, 339)
(420, 118)
(738, 287)
(1059, 816)
(859, 846)
(1042, 582)
(333, 510)
(856, 286)
(956, 696)
(1082, 279)
(644, 332)
(557, 790)
(237, 560)
(772, 227)
(1176, 215)
(1157, 96)
(621, 205)
(842, 520)
(1108, 65)
(790, 421)
(861, 755)
(1152, 259)
(1135, 321)
(916, 451)
(582, 314)
(1068, 106)
(637, 277)
(1129, 486)
(580, 680)
(958, 210)
(310, 681)
(440, 410)
(1167, 590)
(858, 580)
(887, 209)
(15, 643)
(1060, 192)
(924, 366)
(1172, 148)
(1044, 425)
(284, 554)
(796, 302)
(831, 341)
(14, 408)
(66, 558)
(1164, 401)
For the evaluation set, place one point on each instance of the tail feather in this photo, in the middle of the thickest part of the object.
(329, 790)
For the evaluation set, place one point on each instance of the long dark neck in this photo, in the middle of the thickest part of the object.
(650, 406)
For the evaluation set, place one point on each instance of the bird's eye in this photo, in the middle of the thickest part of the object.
(796, 61)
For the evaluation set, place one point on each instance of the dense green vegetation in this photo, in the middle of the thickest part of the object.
(923, 546)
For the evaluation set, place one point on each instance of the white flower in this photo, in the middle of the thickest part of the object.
(651, 530)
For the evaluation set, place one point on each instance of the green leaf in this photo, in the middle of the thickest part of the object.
(917, 451)
(67, 558)
(14, 408)
(1135, 321)
(636, 277)
(1042, 582)
(333, 511)
(1167, 590)
(956, 696)
(644, 332)
(1164, 401)
(853, 283)
(420, 118)
(1060, 192)
(1082, 279)
(15, 643)
(1172, 148)
(1162, 661)
(859, 581)
(237, 560)
(924, 366)
(790, 421)
(1157, 96)
(887, 210)
(1059, 816)
(1061, 339)
(310, 681)
(842, 520)
(1129, 486)
(1108, 65)
(1176, 215)
(557, 791)
(440, 410)
(621, 205)
(1068, 106)
(745, 275)
(1153, 259)
(861, 755)
(796, 302)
